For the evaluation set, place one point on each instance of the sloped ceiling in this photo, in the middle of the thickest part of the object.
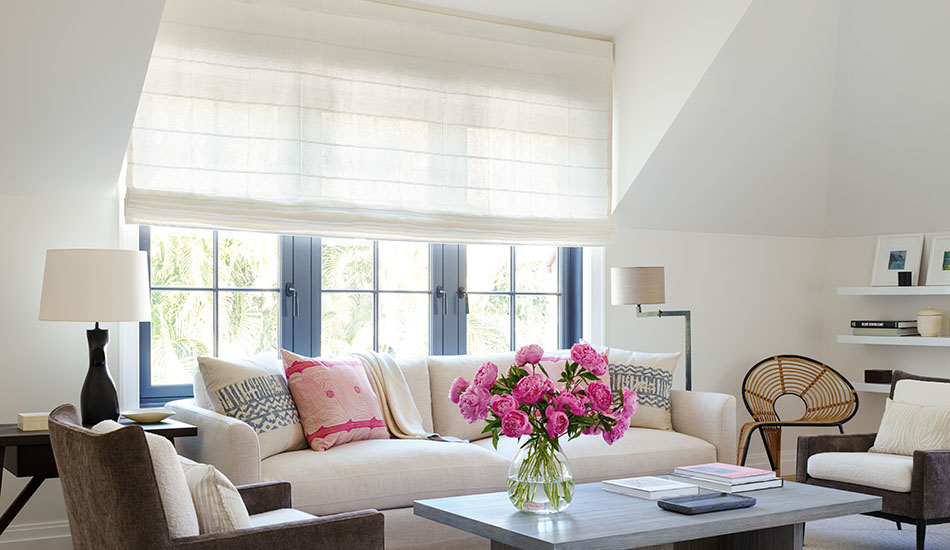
(72, 76)
(749, 150)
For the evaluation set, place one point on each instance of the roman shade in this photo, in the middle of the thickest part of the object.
(360, 119)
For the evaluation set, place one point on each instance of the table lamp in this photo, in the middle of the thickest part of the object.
(646, 285)
(96, 286)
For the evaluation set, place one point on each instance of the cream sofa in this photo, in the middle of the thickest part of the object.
(390, 474)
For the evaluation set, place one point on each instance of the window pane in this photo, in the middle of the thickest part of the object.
(247, 323)
(403, 266)
(488, 268)
(536, 321)
(182, 329)
(248, 260)
(404, 324)
(347, 322)
(347, 264)
(536, 268)
(489, 324)
(181, 257)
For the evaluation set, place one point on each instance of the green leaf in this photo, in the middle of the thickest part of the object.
(494, 439)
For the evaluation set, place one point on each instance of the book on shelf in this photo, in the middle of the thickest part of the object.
(649, 487)
(883, 324)
(728, 487)
(718, 471)
(885, 331)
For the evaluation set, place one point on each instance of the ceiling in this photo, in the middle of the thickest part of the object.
(596, 18)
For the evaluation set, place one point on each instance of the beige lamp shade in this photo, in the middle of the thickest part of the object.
(637, 285)
(95, 285)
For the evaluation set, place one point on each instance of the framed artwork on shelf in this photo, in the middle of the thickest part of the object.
(938, 273)
(896, 253)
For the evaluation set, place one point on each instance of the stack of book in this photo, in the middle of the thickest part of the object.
(727, 478)
(649, 487)
(884, 328)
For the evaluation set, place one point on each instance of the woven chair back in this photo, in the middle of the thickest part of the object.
(828, 396)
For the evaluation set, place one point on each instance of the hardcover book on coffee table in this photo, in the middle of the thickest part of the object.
(719, 471)
(649, 487)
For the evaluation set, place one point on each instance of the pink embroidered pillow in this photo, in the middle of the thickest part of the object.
(334, 399)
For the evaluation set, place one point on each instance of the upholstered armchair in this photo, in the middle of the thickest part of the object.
(915, 489)
(113, 501)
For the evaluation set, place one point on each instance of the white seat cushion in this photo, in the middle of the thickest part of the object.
(275, 517)
(641, 451)
(385, 473)
(883, 471)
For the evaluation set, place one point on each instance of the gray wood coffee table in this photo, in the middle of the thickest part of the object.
(599, 520)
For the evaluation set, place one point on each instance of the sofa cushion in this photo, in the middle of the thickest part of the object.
(416, 371)
(922, 392)
(253, 390)
(651, 376)
(385, 473)
(276, 517)
(443, 369)
(639, 452)
(879, 470)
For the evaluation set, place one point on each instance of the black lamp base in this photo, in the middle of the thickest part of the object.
(98, 400)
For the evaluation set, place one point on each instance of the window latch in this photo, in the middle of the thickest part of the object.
(440, 293)
(463, 295)
(291, 292)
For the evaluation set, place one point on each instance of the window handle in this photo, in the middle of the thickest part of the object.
(291, 292)
(463, 295)
(440, 293)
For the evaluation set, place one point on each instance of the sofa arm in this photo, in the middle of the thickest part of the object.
(708, 416)
(265, 497)
(226, 443)
(930, 498)
(809, 445)
(362, 530)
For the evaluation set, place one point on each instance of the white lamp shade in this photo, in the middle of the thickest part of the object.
(95, 285)
(637, 285)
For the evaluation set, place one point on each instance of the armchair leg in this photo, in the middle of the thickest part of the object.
(921, 533)
(898, 525)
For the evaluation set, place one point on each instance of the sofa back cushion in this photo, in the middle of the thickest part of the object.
(416, 371)
(443, 369)
(336, 402)
(919, 392)
(253, 390)
(651, 376)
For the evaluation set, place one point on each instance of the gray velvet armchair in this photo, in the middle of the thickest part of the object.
(927, 502)
(113, 501)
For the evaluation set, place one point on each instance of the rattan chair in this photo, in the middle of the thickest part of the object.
(830, 400)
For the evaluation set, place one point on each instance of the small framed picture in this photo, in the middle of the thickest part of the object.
(938, 273)
(896, 253)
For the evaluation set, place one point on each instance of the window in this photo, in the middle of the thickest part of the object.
(233, 294)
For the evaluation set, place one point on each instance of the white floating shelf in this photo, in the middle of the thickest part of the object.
(894, 290)
(872, 388)
(894, 340)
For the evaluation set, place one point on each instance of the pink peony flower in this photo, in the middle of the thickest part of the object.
(615, 433)
(587, 357)
(530, 389)
(600, 396)
(630, 404)
(515, 424)
(485, 377)
(503, 404)
(458, 386)
(473, 404)
(591, 430)
(570, 402)
(532, 353)
(557, 422)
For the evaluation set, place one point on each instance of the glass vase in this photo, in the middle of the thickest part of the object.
(540, 480)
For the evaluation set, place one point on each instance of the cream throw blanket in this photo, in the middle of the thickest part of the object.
(395, 400)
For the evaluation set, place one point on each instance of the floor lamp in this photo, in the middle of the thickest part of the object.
(645, 285)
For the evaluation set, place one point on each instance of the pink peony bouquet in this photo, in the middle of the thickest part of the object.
(527, 402)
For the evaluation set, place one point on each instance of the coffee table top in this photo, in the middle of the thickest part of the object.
(600, 519)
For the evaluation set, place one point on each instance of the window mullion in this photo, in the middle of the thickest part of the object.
(512, 303)
(214, 293)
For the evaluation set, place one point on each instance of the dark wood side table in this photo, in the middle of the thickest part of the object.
(29, 454)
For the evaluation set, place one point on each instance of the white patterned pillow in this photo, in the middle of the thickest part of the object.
(218, 503)
(651, 376)
(906, 428)
(254, 390)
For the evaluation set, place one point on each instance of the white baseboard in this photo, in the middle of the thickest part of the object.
(48, 535)
(761, 460)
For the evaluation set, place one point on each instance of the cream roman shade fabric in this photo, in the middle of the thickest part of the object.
(361, 119)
